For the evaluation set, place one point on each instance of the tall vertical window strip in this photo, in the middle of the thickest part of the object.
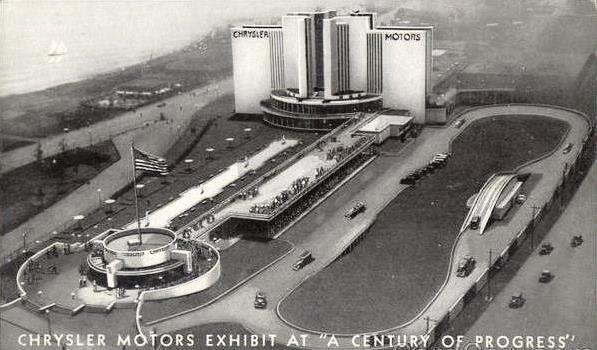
(277, 60)
(374, 63)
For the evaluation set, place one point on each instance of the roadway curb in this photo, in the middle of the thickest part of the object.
(9, 305)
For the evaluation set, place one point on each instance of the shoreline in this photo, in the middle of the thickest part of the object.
(59, 108)
(114, 71)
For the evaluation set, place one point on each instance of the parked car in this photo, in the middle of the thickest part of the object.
(521, 198)
(459, 123)
(576, 241)
(304, 259)
(356, 209)
(546, 276)
(517, 301)
(465, 266)
(260, 300)
(415, 175)
(475, 222)
(409, 180)
(568, 148)
(422, 172)
(439, 161)
(429, 168)
(160, 105)
(546, 249)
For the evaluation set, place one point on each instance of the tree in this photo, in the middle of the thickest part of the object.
(39, 153)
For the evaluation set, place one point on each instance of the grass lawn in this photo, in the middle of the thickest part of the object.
(238, 262)
(403, 260)
(28, 190)
(10, 144)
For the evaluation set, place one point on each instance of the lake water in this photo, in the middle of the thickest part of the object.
(106, 35)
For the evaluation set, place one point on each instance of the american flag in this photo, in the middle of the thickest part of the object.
(148, 162)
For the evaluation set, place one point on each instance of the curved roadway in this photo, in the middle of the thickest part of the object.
(321, 230)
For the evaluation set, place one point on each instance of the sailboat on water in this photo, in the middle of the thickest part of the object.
(57, 49)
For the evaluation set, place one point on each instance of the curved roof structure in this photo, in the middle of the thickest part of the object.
(487, 199)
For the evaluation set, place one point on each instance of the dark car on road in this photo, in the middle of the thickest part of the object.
(465, 266)
(356, 209)
(576, 241)
(260, 301)
(546, 249)
(438, 163)
(415, 175)
(546, 276)
(517, 301)
(475, 222)
(422, 172)
(409, 180)
(304, 259)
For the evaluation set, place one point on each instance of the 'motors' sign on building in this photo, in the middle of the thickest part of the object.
(400, 67)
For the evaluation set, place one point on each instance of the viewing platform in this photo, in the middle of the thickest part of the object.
(279, 189)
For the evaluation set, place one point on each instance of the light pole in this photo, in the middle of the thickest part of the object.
(99, 197)
(49, 321)
(24, 241)
(535, 208)
(489, 297)
(427, 320)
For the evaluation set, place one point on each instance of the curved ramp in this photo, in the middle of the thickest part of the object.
(487, 199)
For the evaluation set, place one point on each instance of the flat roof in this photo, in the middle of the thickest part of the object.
(385, 120)
(438, 52)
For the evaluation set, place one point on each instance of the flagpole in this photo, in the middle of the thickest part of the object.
(135, 191)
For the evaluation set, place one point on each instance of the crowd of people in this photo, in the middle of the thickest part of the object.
(278, 201)
(249, 193)
(290, 214)
(340, 152)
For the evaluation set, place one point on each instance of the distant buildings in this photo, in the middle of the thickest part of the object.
(316, 68)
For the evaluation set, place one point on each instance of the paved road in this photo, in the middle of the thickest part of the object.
(565, 305)
(322, 229)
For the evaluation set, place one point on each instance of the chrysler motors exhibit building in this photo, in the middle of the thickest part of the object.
(317, 69)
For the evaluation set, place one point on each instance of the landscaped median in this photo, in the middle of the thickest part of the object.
(392, 274)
